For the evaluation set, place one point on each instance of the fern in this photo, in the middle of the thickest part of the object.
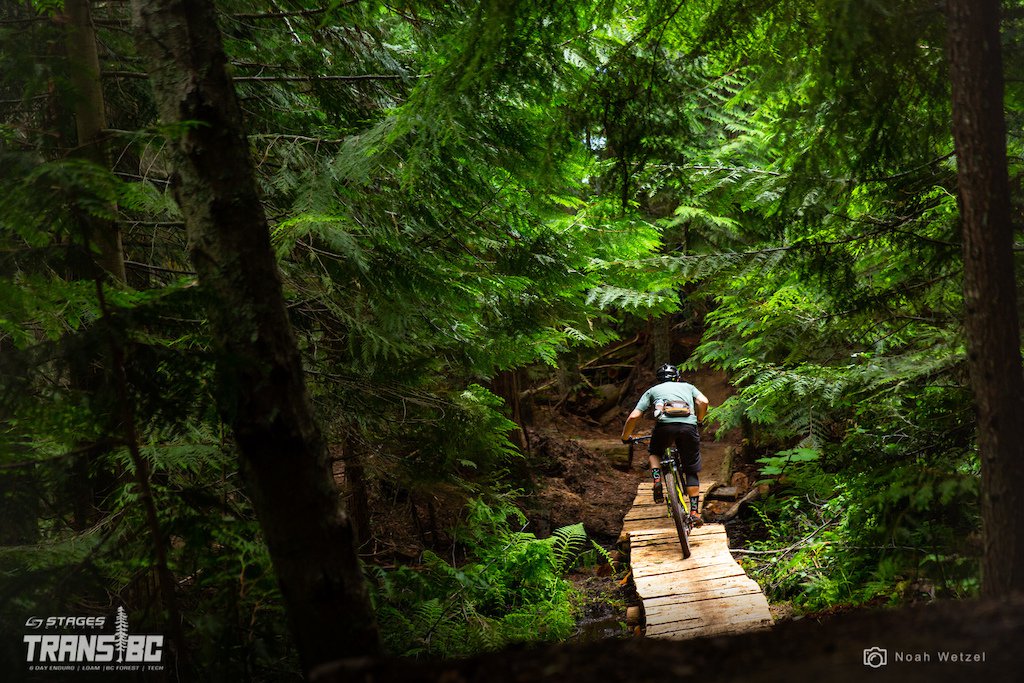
(510, 590)
(567, 543)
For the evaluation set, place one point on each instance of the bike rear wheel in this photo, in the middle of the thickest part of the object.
(679, 514)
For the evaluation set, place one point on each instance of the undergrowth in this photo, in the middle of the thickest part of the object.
(511, 588)
(841, 537)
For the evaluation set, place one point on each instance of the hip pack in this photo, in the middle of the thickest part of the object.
(672, 409)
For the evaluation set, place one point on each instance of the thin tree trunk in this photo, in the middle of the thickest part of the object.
(506, 385)
(417, 523)
(90, 118)
(661, 340)
(90, 122)
(283, 453)
(993, 328)
(568, 372)
(165, 577)
(358, 498)
(19, 504)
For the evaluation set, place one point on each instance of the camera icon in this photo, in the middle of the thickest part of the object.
(876, 657)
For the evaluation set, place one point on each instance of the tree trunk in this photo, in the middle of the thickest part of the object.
(661, 340)
(568, 372)
(19, 509)
(993, 331)
(358, 496)
(263, 392)
(90, 122)
(506, 385)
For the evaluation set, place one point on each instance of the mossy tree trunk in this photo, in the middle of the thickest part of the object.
(264, 397)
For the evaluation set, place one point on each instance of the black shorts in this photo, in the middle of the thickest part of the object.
(685, 437)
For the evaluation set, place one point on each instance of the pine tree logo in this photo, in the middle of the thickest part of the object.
(121, 633)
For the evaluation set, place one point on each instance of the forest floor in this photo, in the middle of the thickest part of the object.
(582, 469)
(578, 471)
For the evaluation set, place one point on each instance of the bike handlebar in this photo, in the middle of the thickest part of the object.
(638, 439)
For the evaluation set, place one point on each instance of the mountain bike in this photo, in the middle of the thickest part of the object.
(675, 497)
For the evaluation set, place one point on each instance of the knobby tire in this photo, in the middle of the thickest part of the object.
(679, 515)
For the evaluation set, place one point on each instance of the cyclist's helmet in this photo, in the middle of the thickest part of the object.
(667, 373)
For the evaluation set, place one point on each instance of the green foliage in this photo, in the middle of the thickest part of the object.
(473, 447)
(236, 619)
(466, 188)
(838, 538)
(812, 197)
(792, 459)
(510, 589)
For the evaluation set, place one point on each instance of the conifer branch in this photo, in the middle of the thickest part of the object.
(310, 79)
(142, 474)
(294, 13)
(283, 79)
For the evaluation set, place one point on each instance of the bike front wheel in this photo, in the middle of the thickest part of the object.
(679, 514)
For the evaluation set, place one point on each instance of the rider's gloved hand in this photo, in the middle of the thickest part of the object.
(625, 439)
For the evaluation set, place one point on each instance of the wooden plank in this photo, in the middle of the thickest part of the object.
(647, 486)
(667, 584)
(719, 610)
(648, 527)
(727, 611)
(654, 537)
(695, 628)
(647, 512)
(670, 544)
(658, 556)
(652, 547)
(670, 603)
(703, 573)
(697, 532)
(672, 554)
(706, 594)
(702, 590)
(675, 564)
(706, 530)
(700, 546)
(684, 568)
(707, 631)
(698, 627)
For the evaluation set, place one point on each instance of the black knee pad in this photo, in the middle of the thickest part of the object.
(692, 479)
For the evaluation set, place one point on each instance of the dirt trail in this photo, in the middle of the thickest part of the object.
(586, 471)
(590, 477)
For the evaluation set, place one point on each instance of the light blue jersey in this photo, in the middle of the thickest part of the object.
(678, 392)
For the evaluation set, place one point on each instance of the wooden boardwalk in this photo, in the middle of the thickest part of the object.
(707, 594)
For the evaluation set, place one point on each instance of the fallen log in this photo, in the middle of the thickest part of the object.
(737, 507)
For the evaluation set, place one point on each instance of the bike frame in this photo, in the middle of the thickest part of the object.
(675, 496)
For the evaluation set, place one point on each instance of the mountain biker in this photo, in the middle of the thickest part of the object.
(679, 407)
